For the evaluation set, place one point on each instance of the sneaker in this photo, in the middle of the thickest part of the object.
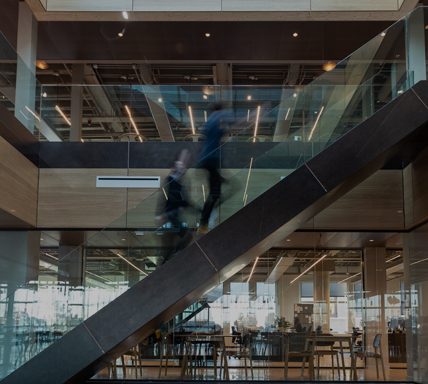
(202, 229)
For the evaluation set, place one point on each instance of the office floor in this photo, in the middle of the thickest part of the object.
(261, 371)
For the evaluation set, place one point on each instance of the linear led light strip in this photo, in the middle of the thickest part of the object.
(192, 123)
(308, 269)
(252, 269)
(33, 113)
(349, 278)
(419, 261)
(203, 192)
(59, 110)
(316, 123)
(128, 111)
(288, 112)
(393, 258)
(248, 179)
(256, 127)
(131, 264)
(205, 116)
(164, 192)
(51, 256)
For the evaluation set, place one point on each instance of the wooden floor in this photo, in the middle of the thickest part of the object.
(261, 371)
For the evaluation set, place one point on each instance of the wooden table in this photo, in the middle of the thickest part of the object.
(341, 340)
(216, 342)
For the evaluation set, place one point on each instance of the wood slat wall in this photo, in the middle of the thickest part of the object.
(18, 178)
(416, 191)
(68, 198)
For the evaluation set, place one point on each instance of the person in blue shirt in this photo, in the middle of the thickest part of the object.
(214, 130)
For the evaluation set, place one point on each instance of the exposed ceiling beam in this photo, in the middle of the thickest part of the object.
(155, 102)
(99, 96)
(280, 268)
(104, 119)
(222, 73)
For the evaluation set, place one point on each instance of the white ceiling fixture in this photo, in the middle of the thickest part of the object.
(192, 123)
(128, 111)
(60, 111)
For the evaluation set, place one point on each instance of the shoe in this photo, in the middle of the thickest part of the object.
(202, 230)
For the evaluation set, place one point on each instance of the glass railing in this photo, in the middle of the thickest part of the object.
(301, 121)
(366, 80)
(20, 92)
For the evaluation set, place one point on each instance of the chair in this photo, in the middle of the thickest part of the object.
(134, 356)
(329, 351)
(166, 352)
(240, 351)
(375, 354)
(297, 346)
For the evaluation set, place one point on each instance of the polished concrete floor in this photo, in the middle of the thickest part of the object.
(261, 371)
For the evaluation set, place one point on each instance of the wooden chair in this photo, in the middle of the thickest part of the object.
(376, 354)
(242, 350)
(297, 346)
(327, 349)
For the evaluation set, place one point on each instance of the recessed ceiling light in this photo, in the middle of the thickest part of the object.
(329, 66)
(121, 33)
(288, 240)
(123, 239)
(160, 100)
(205, 97)
(371, 240)
(249, 97)
(294, 95)
(383, 34)
(295, 34)
(125, 15)
(44, 94)
(207, 34)
(41, 64)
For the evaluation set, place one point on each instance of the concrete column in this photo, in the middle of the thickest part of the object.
(76, 102)
(19, 264)
(25, 94)
(288, 295)
(71, 258)
(321, 278)
(19, 257)
(415, 46)
(374, 308)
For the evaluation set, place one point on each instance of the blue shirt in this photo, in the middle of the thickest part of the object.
(213, 132)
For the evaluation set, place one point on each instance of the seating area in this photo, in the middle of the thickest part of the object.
(305, 355)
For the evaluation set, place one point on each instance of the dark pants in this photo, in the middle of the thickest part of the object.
(215, 180)
(175, 238)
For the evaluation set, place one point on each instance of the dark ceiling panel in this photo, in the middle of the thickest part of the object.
(157, 41)
(9, 20)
